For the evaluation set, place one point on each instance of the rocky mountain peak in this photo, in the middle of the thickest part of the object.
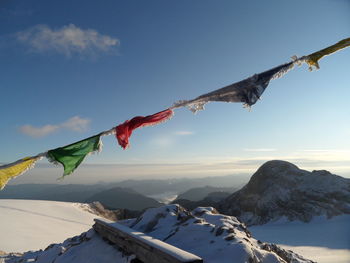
(271, 173)
(280, 189)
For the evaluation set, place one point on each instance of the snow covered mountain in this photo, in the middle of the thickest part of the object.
(280, 189)
(204, 232)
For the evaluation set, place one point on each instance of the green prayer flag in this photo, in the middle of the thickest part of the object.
(72, 155)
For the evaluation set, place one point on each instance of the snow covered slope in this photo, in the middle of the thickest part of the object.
(31, 224)
(86, 248)
(208, 234)
(214, 237)
(322, 240)
(280, 189)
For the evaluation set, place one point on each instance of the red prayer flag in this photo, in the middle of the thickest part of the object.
(124, 131)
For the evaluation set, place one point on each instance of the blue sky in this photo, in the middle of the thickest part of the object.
(70, 69)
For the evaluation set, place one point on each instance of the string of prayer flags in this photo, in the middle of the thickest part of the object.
(15, 169)
(247, 91)
(312, 59)
(124, 131)
(72, 155)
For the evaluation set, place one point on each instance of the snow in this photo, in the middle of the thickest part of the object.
(31, 224)
(205, 233)
(87, 248)
(322, 240)
(177, 253)
(215, 238)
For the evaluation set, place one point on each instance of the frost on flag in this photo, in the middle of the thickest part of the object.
(312, 59)
(12, 170)
(247, 91)
(71, 156)
(124, 131)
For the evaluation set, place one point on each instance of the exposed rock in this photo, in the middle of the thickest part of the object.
(280, 189)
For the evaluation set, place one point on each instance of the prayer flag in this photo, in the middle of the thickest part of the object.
(247, 91)
(72, 155)
(124, 131)
(10, 171)
(312, 59)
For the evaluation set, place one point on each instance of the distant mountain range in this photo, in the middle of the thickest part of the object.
(53, 192)
(125, 198)
(279, 189)
(203, 196)
(181, 185)
(199, 193)
(130, 194)
(112, 198)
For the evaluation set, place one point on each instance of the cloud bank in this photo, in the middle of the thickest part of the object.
(184, 133)
(260, 150)
(67, 40)
(47, 173)
(75, 123)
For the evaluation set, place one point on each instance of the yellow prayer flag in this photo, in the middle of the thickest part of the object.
(10, 171)
(312, 59)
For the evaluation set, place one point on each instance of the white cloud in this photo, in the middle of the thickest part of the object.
(325, 151)
(67, 40)
(168, 140)
(148, 167)
(38, 131)
(183, 133)
(75, 123)
(162, 141)
(260, 150)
